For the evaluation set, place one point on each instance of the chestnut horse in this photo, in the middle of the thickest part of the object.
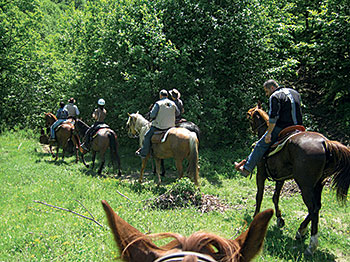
(65, 133)
(135, 246)
(105, 138)
(180, 144)
(308, 158)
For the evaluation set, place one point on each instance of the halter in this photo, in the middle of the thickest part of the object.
(179, 256)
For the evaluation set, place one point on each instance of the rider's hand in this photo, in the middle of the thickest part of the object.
(268, 138)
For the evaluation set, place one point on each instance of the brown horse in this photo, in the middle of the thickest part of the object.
(105, 138)
(64, 134)
(135, 246)
(308, 158)
(180, 144)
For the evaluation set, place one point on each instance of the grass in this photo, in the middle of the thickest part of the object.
(30, 231)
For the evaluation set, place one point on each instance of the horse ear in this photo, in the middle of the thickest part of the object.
(137, 112)
(252, 239)
(139, 247)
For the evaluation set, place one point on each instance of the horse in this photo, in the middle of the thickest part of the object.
(135, 246)
(309, 158)
(105, 138)
(180, 144)
(64, 134)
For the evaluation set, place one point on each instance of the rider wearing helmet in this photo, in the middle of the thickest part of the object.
(99, 115)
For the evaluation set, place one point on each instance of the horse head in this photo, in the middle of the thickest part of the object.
(49, 119)
(200, 246)
(134, 124)
(258, 119)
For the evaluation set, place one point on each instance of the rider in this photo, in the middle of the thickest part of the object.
(163, 114)
(99, 115)
(61, 115)
(175, 96)
(72, 109)
(284, 111)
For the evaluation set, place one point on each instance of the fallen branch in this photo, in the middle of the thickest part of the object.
(124, 196)
(68, 210)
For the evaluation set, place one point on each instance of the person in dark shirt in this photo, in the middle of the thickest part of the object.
(175, 96)
(284, 111)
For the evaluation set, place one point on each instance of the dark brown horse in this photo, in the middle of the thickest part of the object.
(135, 246)
(308, 158)
(105, 138)
(64, 134)
(180, 144)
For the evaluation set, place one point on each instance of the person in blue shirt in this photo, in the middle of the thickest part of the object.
(62, 115)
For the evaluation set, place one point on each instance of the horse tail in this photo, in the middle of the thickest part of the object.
(113, 144)
(338, 166)
(193, 158)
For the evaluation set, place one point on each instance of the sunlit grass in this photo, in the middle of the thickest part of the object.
(31, 231)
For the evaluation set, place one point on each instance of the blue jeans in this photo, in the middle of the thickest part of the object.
(260, 149)
(146, 146)
(54, 125)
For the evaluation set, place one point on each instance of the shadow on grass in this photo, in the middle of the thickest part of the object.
(278, 244)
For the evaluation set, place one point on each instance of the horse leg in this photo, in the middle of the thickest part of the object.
(275, 199)
(57, 150)
(163, 168)
(83, 159)
(76, 148)
(102, 158)
(158, 165)
(179, 167)
(93, 157)
(314, 218)
(143, 166)
(118, 162)
(260, 182)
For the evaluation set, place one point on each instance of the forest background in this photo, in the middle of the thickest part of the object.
(217, 54)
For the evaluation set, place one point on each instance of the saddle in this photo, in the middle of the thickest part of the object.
(70, 121)
(97, 128)
(160, 136)
(283, 137)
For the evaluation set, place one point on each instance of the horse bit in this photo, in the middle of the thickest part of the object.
(179, 256)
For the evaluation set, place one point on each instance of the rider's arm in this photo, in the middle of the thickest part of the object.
(77, 110)
(154, 111)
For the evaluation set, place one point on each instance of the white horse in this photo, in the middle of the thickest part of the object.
(179, 144)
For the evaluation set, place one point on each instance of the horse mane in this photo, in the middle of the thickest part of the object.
(261, 112)
(51, 115)
(210, 244)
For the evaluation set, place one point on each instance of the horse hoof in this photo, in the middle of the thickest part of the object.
(280, 222)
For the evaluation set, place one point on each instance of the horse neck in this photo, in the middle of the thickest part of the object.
(82, 127)
(141, 122)
(263, 123)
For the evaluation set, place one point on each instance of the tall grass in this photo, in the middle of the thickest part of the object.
(30, 231)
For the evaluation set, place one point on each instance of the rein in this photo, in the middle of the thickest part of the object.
(179, 256)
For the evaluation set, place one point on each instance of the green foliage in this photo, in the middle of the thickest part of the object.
(217, 53)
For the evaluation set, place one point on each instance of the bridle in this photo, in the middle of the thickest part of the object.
(179, 256)
(132, 133)
(252, 124)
